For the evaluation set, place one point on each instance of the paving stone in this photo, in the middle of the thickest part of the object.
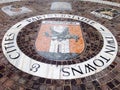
(22, 81)
(83, 87)
(48, 81)
(93, 77)
(21, 88)
(110, 84)
(2, 88)
(78, 81)
(2, 67)
(112, 75)
(67, 88)
(67, 82)
(35, 86)
(115, 82)
(2, 80)
(41, 80)
(61, 6)
(96, 83)
(115, 89)
(89, 86)
(104, 79)
(88, 78)
(9, 83)
(28, 89)
(73, 82)
(105, 87)
(16, 78)
(42, 87)
(59, 88)
(51, 88)
(1, 75)
(84, 80)
(98, 88)
(75, 87)
(98, 75)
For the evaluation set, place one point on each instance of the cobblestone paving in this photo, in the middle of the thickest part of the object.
(14, 79)
(114, 1)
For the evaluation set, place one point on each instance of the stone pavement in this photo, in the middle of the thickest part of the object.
(13, 79)
(7, 1)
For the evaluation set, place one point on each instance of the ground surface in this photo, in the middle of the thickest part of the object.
(14, 79)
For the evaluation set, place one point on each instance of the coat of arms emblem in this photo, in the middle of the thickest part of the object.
(108, 13)
(59, 40)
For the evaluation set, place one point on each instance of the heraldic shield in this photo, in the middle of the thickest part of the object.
(59, 40)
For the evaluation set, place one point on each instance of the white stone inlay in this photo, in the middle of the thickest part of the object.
(61, 6)
(104, 2)
(7, 1)
(9, 10)
(94, 65)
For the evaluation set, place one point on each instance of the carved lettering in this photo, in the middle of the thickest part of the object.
(76, 70)
(35, 67)
(98, 63)
(65, 71)
(89, 68)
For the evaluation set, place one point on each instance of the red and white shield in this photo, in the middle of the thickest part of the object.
(59, 39)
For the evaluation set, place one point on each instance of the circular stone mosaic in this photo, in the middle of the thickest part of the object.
(61, 46)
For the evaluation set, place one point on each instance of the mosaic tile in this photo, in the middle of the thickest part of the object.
(14, 79)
